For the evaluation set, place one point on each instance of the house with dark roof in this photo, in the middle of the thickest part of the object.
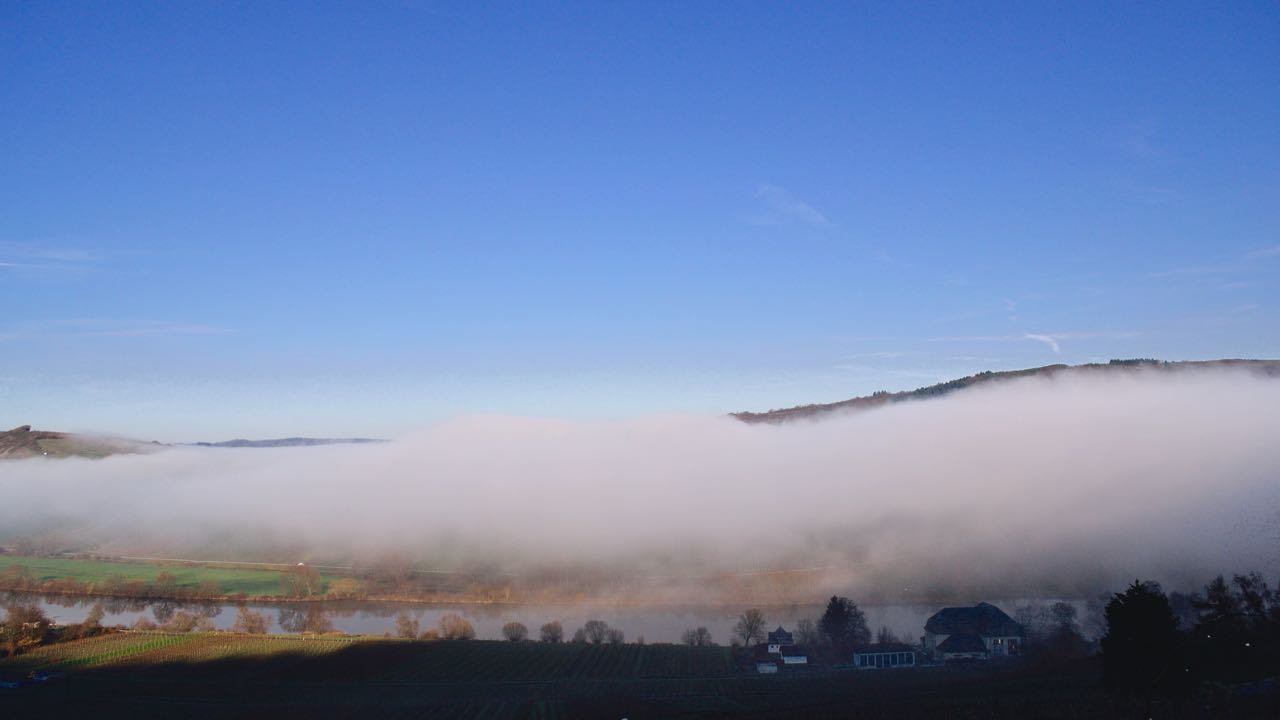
(884, 656)
(980, 632)
(779, 638)
(778, 655)
(793, 655)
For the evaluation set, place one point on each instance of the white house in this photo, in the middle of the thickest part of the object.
(980, 632)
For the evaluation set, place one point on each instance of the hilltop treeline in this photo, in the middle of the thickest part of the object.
(883, 397)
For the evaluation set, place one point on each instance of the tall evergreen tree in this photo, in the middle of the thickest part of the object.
(1140, 648)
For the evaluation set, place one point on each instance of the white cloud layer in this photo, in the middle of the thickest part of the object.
(1038, 485)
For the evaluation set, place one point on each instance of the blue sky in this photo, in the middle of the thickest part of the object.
(259, 219)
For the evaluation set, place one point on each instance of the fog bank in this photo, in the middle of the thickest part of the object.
(1038, 486)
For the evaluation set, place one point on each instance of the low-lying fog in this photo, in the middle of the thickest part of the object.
(1030, 487)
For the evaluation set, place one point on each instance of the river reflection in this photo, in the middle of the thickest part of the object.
(651, 623)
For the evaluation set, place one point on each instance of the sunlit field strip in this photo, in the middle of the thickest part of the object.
(159, 648)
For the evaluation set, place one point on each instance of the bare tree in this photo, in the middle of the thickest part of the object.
(615, 636)
(94, 619)
(515, 631)
(454, 627)
(317, 621)
(596, 631)
(697, 637)
(24, 626)
(302, 580)
(552, 632)
(807, 633)
(750, 627)
(346, 589)
(406, 626)
(184, 622)
(165, 584)
(248, 621)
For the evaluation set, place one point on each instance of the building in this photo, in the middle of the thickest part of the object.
(767, 667)
(884, 656)
(793, 655)
(779, 638)
(980, 632)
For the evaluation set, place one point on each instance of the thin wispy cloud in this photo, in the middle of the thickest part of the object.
(1223, 265)
(1046, 339)
(882, 355)
(782, 207)
(30, 257)
(1051, 340)
(1195, 270)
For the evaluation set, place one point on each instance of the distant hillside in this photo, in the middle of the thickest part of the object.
(1270, 368)
(287, 442)
(23, 442)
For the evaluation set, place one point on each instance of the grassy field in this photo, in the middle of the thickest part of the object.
(252, 582)
(218, 675)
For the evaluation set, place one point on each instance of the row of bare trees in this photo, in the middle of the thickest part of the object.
(455, 627)
(451, 626)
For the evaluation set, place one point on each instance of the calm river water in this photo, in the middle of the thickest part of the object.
(653, 623)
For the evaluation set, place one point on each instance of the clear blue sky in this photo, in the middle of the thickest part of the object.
(260, 219)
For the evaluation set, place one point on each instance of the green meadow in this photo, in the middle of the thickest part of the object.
(250, 581)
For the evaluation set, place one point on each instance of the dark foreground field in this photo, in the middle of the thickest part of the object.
(136, 675)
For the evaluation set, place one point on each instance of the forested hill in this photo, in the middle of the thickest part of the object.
(1270, 368)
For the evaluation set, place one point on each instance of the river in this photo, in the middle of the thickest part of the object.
(653, 623)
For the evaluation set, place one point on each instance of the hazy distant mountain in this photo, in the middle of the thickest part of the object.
(23, 442)
(287, 442)
(1270, 368)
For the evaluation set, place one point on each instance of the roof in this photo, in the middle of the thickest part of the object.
(792, 650)
(982, 619)
(962, 643)
(871, 648)
(780, 636)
